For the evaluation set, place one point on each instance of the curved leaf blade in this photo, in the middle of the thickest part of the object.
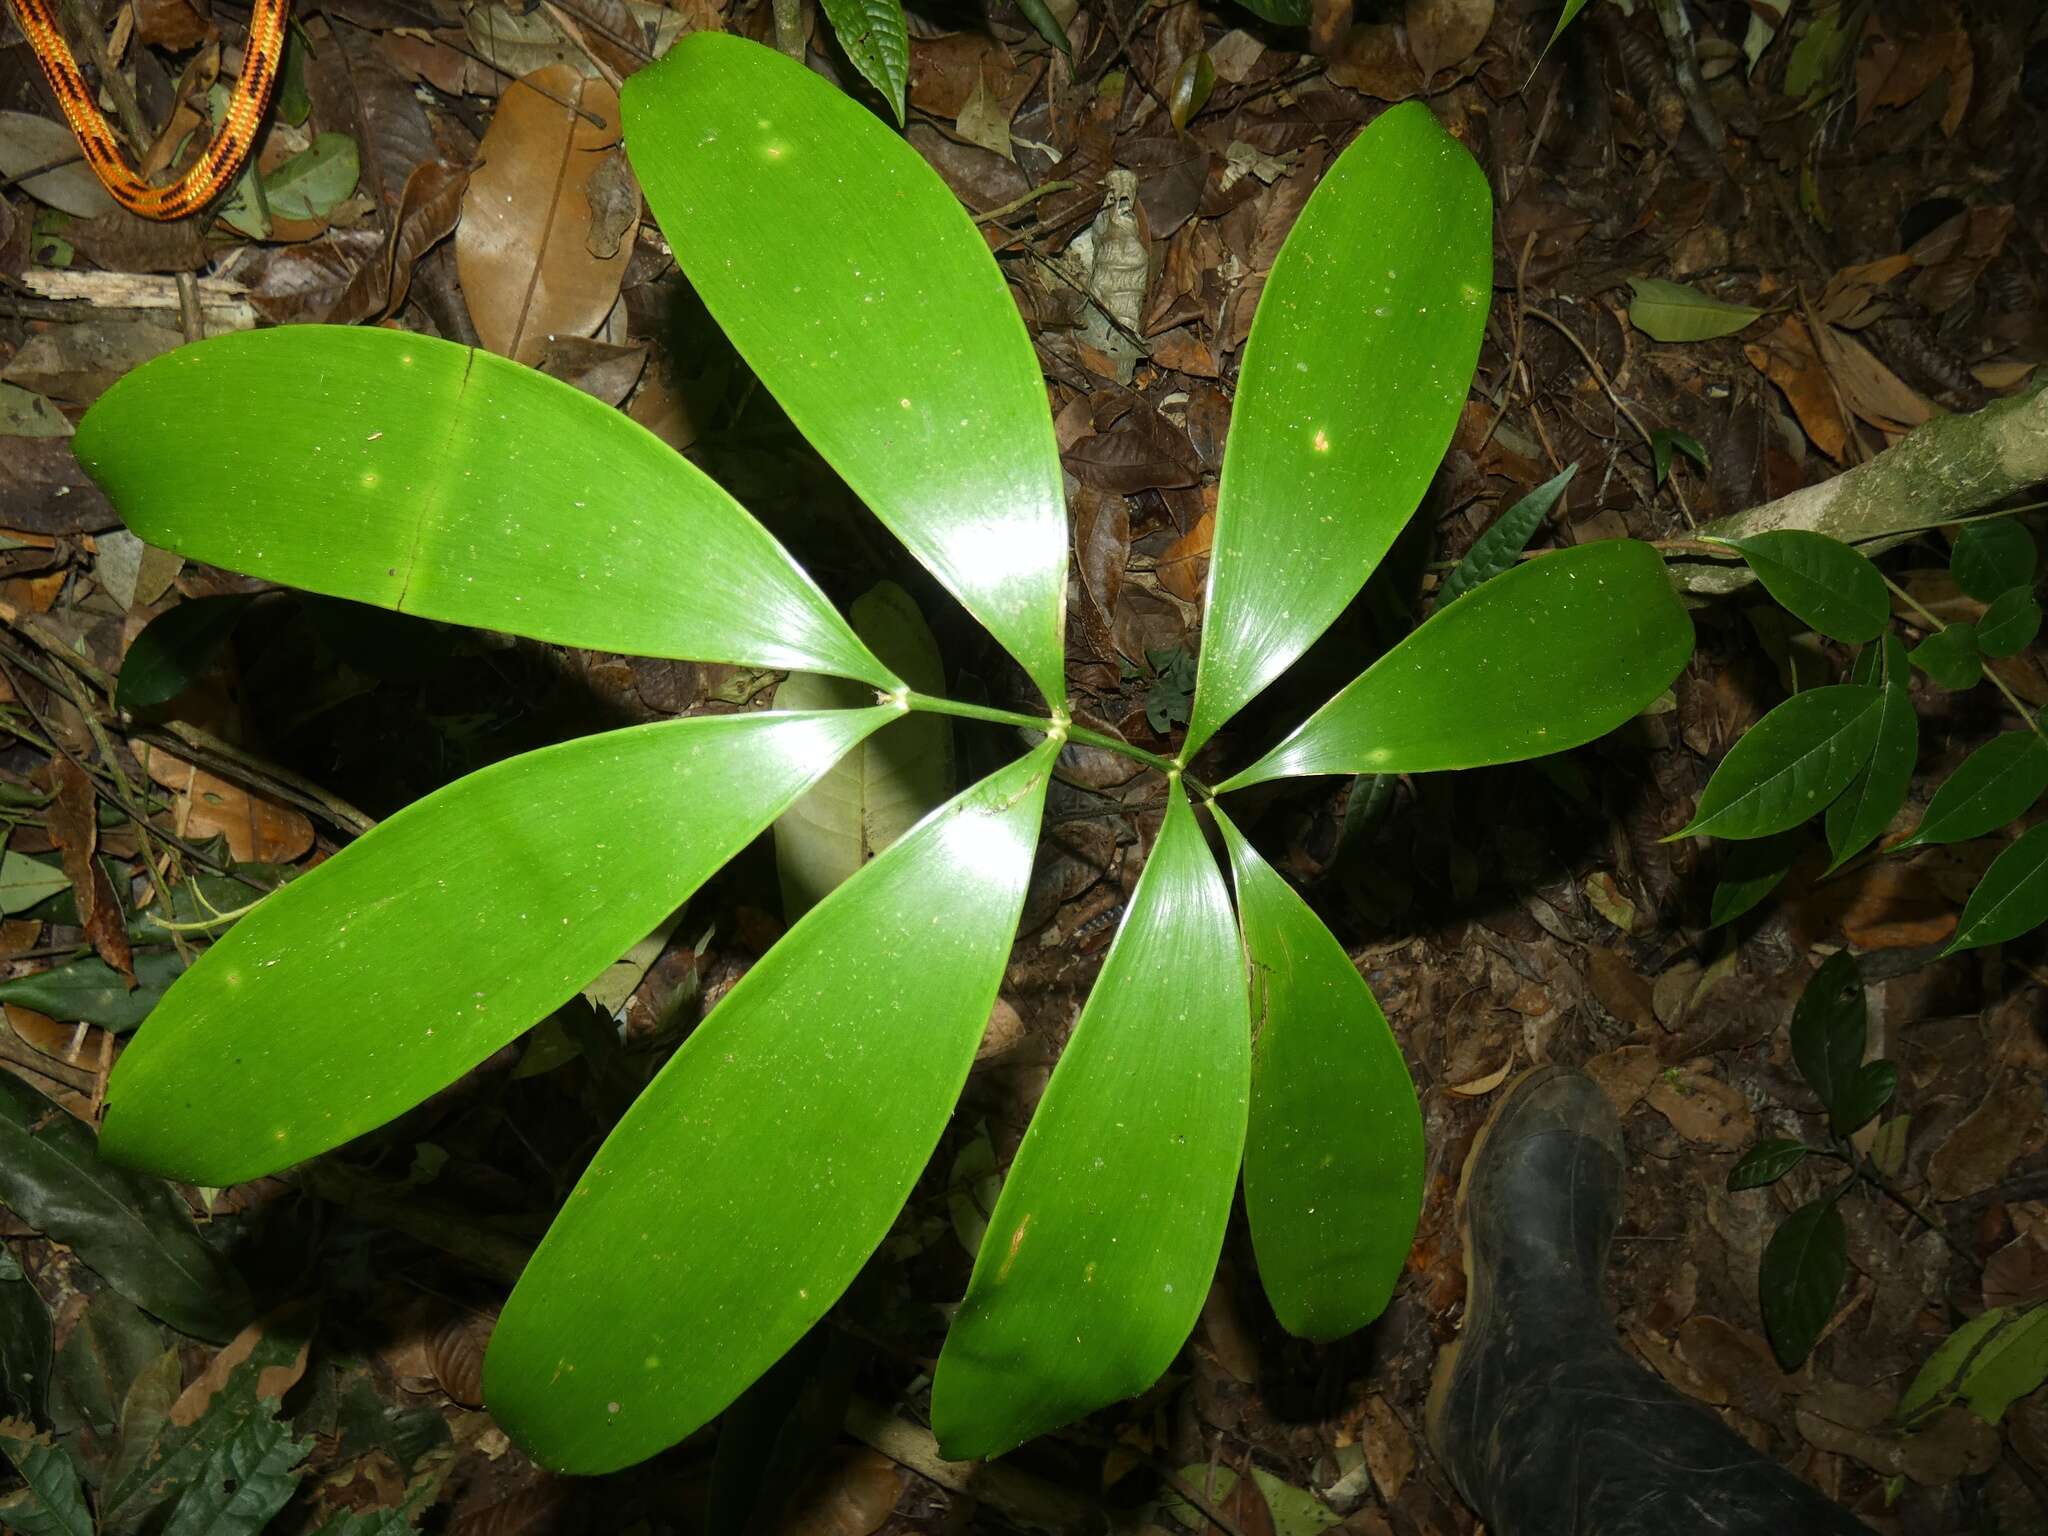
(2010, 624)
(176, 647)
(1803, 1267)
(1668, 311)
(1994, 785)
(1353, 378)
(1766, 1163)
(1873, 798)
(712, 1216)
(1103, 1242)
(131, 1229)
(877, 38)
(1551, 655)
(2011, 899)
(857, 288)
(1830, 1027)
(1827, 585)
(1992, 556)
(438, 480)
(1495, 551)
(444, 932)
(1790, 764)
(1333, 1160)
(1950, 657)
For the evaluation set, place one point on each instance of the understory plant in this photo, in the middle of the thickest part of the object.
(1846, 751)
(757, 1172)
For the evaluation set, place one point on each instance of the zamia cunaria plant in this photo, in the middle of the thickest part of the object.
(761, 1167)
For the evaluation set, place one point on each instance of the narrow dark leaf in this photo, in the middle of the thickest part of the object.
(1750, 870)
(1791, 764)
(1949, 657)
(53, 1504)
(1830, 1027)
(1766, 1163)
(176, 648)
(24, 1344)
(1801, 1275)
(2011, 899)
(1664, 441)
(1873, 798)
(1868, 1089)
(1502, 544)
(89, 991)
(1995, 784)
(1040, 15)
(129, 1228)
(1992, 557)
(1827, 585)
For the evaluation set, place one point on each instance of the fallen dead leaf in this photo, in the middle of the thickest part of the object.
(1788, 358)
(1442, 33)
(74, 827)
(1183, 567)
(294, 1317)
(1701, 1107)
(851, 1494)
(1983, 1149)
(1389, 1448)
(1479, 1087)
(1624, 1075)
(256, 830)
(523, 248)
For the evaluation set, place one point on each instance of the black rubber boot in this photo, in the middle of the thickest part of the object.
(1546, 1425)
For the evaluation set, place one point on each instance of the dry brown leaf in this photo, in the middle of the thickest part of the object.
(1867, 386)
(1787, 357)
(1389, 1448)
(1701, 1107)
(2017, 1274)
(1624, 1075)
(1855, 295)
(523, 246)
(455, 1354)
(1234, 1344)
(1983, 1149)
(294, 1317)
(1442, 33)
(256, 830)
(852, 1494)
(1479, 1087)
(1374, 61)
(74, 827)
(1183, 567)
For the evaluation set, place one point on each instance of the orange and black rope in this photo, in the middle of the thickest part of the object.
(225, 154)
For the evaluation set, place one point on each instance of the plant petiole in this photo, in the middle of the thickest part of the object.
(1077, 733)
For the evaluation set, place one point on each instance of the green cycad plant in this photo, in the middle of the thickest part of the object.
(766, 1161)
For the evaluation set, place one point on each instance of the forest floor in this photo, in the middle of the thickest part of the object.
(1885, 205)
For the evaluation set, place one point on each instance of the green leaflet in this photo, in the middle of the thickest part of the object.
(1993, 556)
(1333, 1157)
(1331, 443)
(444, 932)
(1827, 585)
(1549, 656)
(1104, 1240)
(1993, 1360)
(53, 1504)
(852, 281)
(2011, 899)
(884, 786)
(1766, 1163)
(1667, 311)
(1496, 550)
(1873, 798)
(1790, 764)
(88, 990)
(438, 480)
(1565, 17)
(1996, 784)
(1949, 656)
(718, 1216)
(877, 39)
(1750, 871)
(131, 1229)
(1803, 1267)
(175, 649)
(1830, 1027)
(25, 881)
(2010, 624)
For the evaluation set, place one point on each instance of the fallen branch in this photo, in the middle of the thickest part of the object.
(1942, 472)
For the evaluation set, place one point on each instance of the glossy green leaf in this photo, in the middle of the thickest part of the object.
(176, 648)
(884, 786)
(442, 481)
(2010, 624)
(24, 1343)
(1992, 557)
(1766, 1163)
(856, 286)
(1801, 1276)
(877, 39)
(89, 991)
(1827, 585)
(1667, 311)
(130, 1229)
(1664, 442)
(312, 183)
(1995, 784)
(53, 1503)
(1353, 378)
(1495, 551)
(1192, 84)
(1791, 764)
(1565, 16)
(1040, 15)
(109, 1349)
(443, 933)
(1556, 652)
(1935, 1384)
(1949, 657)
(746, 1187)
(1102, 1245)
(2012, 1363)
(1830, 1027)
(1333, 1157)
(1866, 1091)
(1750, 871)
(25, 881)
(2011, 899)
(1866, 808)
